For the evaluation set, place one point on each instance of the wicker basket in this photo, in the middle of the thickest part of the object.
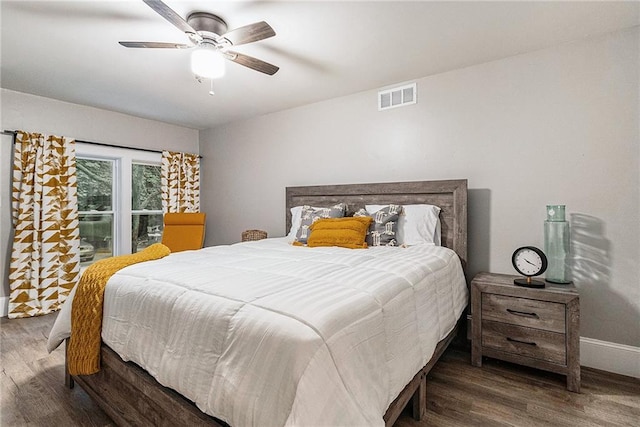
(249, 235)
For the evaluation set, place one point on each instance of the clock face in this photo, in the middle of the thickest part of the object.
(529, 261)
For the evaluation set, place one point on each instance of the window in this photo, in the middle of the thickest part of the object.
(146, 206)
(95, 208)
(119, 201)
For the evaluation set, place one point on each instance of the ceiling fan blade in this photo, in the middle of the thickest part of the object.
(155, 45)
(170, 15)
(251, 62)
(250, 33)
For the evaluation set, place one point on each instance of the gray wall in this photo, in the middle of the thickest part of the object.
(48, 116)
(557, 126)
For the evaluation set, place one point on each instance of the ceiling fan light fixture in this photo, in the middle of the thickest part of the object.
(207, 62)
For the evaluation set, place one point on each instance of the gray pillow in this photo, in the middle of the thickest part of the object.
(311, 214)
(383, 230)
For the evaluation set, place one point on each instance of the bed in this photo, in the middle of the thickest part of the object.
(131, 396)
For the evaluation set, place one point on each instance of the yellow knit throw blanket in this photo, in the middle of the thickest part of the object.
(83, 352)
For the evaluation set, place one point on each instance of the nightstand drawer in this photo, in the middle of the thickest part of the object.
(549, 316)
(534, 343)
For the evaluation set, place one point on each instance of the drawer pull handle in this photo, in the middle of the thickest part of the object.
(523, 313)
(521, 342)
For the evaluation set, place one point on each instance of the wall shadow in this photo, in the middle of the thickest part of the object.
(590, 254)
(478, 230)
(605, 313)
(478, 243)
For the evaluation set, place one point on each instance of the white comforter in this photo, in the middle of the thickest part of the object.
(265, 333)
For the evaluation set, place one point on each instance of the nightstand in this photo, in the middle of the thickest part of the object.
(532, 327)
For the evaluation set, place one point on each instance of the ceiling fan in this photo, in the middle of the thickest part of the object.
(211, 40)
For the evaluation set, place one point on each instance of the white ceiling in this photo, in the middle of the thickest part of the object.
(68, 50)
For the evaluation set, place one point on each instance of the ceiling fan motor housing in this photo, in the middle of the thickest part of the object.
(207, 23)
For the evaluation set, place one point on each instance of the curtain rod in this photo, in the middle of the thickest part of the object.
(149, 150)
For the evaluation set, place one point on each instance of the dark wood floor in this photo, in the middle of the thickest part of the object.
(498, 394)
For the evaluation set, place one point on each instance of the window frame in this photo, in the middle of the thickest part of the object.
(143, 211)
(114, 198)
(123, 159)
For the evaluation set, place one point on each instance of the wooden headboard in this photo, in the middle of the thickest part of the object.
(450, 196)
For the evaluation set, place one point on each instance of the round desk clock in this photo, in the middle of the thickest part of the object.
(529, 261)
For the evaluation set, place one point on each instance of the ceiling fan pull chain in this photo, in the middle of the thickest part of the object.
(211, 92)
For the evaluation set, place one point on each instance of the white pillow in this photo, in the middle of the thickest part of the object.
(296, 221)
(417, 224)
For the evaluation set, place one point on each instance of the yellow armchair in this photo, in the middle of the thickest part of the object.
(183, 231)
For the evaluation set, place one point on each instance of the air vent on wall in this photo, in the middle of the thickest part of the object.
(397, 97)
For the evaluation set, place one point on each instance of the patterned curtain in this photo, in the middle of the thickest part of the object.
(45, 257)
(180, 182)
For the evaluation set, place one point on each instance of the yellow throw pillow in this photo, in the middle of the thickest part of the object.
(346, 232)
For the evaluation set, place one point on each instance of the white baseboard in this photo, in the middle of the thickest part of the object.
(4, 306)
(611, 357)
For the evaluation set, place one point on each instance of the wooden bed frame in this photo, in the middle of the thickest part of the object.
(130, 396)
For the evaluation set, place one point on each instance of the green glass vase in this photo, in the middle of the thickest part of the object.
(557, 245)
